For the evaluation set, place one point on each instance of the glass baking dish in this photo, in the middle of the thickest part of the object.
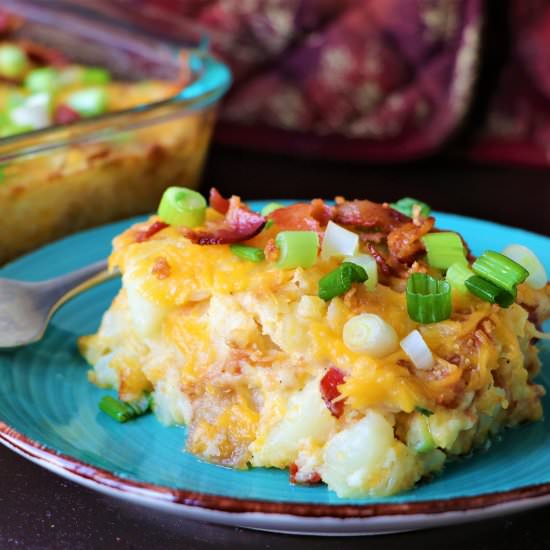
(62, 179)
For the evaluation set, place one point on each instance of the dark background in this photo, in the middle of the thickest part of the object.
(508, 195)
(40, 510)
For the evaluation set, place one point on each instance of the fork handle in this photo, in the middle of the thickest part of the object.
(66, 287)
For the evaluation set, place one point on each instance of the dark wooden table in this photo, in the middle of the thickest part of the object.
(41, 510)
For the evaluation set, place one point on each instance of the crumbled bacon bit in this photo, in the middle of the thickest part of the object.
(454, 359)
(321, 211)
(217, 202)
(452, 396)
(532, 315)
(372, 237)
(302, 216)
(404, 242)
(43, 55)
(99, 153)
(310, 479)
(488, 327)
(380, 260)
(161, 269)
(364, 213)
(329, 391)
(240, 224)
(64, 114)
(271, 251)
(146, 234)
(481, 337)
(155, 152)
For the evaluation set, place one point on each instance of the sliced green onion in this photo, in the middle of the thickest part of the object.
(249, 253)
(268, 224)
(419, 436)
(525, 257)
(7, 130)
(424, 411)
(13, 100)
(490, 292)
(89, 102)
(95, 75)
(339, 281)
(428, 299)
(13, 61)
(338, 241)
(34, 112)
(456, 276)
(71, 75)
(444, 249)
(271, 207)
(122, 411)
(368, 263)
(418, 351)
(500, 270)
(407, 204)
(182, 206)
(370, 334)
(45, 79)
(297, 248)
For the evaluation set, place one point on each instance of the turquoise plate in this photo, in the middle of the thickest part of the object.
(49, 414)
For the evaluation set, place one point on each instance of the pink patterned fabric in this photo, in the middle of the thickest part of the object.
(382, 81)
(378, 80)
(368, 79)
(518, 123)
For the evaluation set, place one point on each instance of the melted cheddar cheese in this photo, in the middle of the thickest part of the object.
(236, 350)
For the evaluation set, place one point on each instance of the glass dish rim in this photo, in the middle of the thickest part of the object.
(211, 79)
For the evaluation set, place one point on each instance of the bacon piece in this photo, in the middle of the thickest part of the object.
(240, 224)
(329, 391)
(296, 216)
(532, 315)
(303, 216)
(454, 359)
(388, 264)
(310, 479)
(321, 211)
(146, 234)
(217, 202)
(365, 213)
(43, 55)
(271, 251)
(380, 259)
(64, 114)
(372, 237)
(404, 242)
(161, 269)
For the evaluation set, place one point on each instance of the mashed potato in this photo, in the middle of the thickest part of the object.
(238, 351)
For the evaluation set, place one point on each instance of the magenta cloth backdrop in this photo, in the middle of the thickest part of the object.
(378, 80)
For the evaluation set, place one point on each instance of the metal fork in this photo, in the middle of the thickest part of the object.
(26, 308)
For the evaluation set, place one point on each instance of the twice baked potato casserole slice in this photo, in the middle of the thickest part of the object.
(351, 343)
